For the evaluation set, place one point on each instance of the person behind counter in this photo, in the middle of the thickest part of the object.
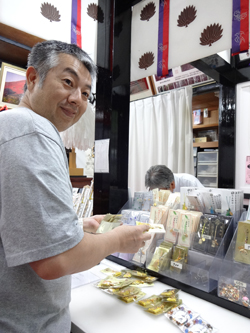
(159, 176)
(41, 242)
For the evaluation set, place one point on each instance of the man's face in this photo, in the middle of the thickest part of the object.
(171, 188)
(62, 99)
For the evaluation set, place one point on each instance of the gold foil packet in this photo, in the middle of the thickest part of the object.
(127, 291)
(141, 283)
(150, 301)
(112, 218)
(161, 258)
(242, 246)
(133, 298)
(123, 274)
(160, 308)
(113, 283)
(138, 273)
(170, 292)
(179, 259)
(150, 279)
(171, 299)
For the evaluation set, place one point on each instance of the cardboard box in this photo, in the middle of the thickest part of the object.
(202, 139)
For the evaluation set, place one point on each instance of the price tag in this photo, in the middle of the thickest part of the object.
(247, 247)
(206, 236)
(176, 264)
(240, 284)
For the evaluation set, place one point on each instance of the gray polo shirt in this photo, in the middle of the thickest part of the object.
(37, 221)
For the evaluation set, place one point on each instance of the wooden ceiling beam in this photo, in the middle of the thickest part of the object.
(15, 45)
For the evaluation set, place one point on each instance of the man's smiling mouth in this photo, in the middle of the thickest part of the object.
(69, 112)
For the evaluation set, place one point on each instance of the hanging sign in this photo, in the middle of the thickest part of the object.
(76, 35)
(163, 38)
(240, 26)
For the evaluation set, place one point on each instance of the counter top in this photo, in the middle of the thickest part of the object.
(94, 311)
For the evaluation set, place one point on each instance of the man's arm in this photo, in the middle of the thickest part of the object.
(91, 250)
(92, 223)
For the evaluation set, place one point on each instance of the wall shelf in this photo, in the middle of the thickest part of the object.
(209, 144)
(202, 126)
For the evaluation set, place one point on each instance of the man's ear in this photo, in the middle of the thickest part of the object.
(31, 78)
(172, 186)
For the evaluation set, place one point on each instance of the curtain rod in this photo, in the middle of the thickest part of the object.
(194, 86)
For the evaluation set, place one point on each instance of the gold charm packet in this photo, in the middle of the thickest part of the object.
(179, 259)
(112, 218)
(150, 279)
(132, 298)
(139, 273)
(126, 291)
(163, 307)
(113, 283)
(242, 245)
(149, 301)
(160, 308)
(171, 299)
(138, 278)
(107, 226)
(124, 273)
(161, 257)
(169, 292)
(141, 283)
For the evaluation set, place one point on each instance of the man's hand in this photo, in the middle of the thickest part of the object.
(131, 238)
(91, 224)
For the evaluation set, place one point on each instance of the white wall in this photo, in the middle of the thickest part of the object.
(242, 135)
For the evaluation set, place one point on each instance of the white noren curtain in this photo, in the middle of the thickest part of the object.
(160, 132)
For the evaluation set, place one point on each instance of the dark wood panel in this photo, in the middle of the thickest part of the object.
(209, 100)
(15, 45)
(13, 55)
(80, 181)
(19, 36)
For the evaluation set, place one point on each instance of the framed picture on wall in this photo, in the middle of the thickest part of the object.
(140, 89)
(12, 80)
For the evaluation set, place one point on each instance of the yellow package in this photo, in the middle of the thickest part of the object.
(169, 292)
(160, 308)
(150, 279)
(161, 257)
(150, 301)
(138, 273)
(127, 291)
(132, 298)
(113, 283)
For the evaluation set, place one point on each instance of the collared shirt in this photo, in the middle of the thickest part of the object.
(185, 180)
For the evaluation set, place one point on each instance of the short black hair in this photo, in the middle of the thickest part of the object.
(158, 176)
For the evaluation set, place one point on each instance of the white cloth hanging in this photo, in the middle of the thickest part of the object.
(160, 132)
(82, 134)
